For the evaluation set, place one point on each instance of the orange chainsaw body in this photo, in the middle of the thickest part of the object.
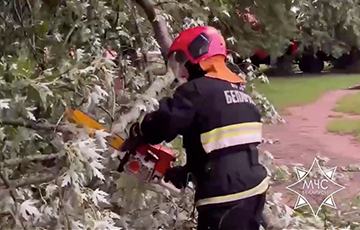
(148, 162)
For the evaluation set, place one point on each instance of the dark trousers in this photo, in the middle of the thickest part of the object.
(244, 214)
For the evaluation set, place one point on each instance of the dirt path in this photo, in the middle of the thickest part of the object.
(305, 136)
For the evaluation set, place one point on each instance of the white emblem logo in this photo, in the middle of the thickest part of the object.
(317, 191)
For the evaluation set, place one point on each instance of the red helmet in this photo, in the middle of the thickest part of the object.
(195, 45)
(199, 43)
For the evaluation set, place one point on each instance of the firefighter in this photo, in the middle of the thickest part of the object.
(221, 128)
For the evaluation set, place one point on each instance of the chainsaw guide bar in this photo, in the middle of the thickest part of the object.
(90, 124)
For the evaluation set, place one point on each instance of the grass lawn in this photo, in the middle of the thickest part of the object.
(349, 104)
(345, 126)
(283, 92)
(293, 91)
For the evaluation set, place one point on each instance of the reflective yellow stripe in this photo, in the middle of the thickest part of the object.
(232, 135)
(259, 189)
(243, 126)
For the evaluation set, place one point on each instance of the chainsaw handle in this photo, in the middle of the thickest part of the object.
(168, 185)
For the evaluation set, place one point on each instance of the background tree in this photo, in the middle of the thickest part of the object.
(333, 27)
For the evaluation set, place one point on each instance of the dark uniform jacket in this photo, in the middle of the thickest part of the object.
(221, 128)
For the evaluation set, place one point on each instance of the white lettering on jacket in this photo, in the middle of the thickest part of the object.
(236, 96)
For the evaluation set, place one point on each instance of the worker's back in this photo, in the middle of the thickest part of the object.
(221, 142)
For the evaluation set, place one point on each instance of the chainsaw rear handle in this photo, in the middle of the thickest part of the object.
(168, 185)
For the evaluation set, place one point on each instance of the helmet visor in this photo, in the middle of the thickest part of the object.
(176, 62)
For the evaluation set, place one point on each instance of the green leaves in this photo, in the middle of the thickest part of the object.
(43, 92)
(330, 25)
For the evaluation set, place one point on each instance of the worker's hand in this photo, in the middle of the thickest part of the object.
(177, 176)
(135, 130)
(135, 139)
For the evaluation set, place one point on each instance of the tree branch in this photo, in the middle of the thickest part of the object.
(141, 40)
(166, 2)
(71, 31)
(156, 87)
(164, 40)
(34, 180)
(32, 19)
(355, 87)
(63, 207)
(32, 46)
(107, 112)
(33, 125)
(161, 33)
(19, 160)
(10, 187)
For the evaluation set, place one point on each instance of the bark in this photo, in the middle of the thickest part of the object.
(26, 181)
(355, 87)
(161, 32)
(152, 92)
(33, 125)
(38, 157)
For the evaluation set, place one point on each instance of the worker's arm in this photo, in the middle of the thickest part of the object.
(173, 117)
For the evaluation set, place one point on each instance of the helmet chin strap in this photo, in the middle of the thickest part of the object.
(215, 67)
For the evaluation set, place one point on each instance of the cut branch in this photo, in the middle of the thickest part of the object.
(355, 87)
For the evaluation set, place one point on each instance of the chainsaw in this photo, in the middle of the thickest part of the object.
(147, 163)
